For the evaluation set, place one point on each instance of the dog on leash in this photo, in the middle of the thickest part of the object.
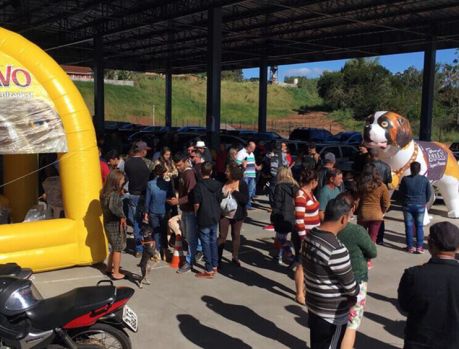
(391, 134)
(149, 251)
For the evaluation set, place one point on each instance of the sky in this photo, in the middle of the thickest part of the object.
(394, 63)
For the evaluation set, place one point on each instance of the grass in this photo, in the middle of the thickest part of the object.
(239, 104)
(239, 100)
(346, 119)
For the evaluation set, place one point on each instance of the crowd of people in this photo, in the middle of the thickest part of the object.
(312, 206)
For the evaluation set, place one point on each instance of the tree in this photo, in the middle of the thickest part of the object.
(113, 74)
(448, 91)
(406, 93)
(233, 75)
(330, 87)
(362, 85)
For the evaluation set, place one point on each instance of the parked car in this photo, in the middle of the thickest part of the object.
(128, 127)
(454, 147)
(155, 130)
(191, 129)
(307, 134)
(349, 137)
(258, 136)
(345, 154)
(295, 147)
(114, 125)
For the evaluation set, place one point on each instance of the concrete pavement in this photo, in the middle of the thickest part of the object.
(252, 306)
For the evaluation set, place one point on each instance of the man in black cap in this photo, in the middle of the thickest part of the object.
(138, 170)
(429, 293)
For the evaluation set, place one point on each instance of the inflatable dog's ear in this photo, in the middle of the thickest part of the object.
(404, 132)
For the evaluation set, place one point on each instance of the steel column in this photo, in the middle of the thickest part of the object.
(428, 80)
(168, 111)
(262, 97)
(99, 112)
(214, 57)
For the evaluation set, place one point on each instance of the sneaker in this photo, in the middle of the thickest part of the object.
(269, 227)
(138, 254)
(420, 250)
(205, 275)
(410, 250)
(281, 263)
(199, 256)
(184, 269)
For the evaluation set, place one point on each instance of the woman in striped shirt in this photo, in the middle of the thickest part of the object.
(306, 218)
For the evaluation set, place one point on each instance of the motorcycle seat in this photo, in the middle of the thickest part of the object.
(12, 269)
(57, 311)
(9, 269)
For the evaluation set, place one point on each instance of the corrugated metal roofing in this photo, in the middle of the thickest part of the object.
(153, 35)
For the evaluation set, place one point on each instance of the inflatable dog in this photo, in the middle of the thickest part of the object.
(391, 134)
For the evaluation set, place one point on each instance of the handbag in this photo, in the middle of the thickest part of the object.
(228, 205)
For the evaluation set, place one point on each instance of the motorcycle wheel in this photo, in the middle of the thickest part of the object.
(101, 336)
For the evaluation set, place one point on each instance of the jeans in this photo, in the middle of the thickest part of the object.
(190, 231)
(135, 208)
(252, 186)
(414, 216)
(272, 186)
(158, 223)
(208, 236)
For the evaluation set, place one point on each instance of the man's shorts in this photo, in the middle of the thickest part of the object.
(356, 312)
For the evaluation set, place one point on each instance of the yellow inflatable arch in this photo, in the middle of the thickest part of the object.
(79, 238)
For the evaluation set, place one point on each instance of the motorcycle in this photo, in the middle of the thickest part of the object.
(92, 317)
(12, 269)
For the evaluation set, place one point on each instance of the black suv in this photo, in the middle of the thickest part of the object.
(455, 149)
(318, 135)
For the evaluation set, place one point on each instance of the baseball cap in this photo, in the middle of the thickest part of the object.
(445, 236)
(141, 145)
(200, 144)
(329, 157)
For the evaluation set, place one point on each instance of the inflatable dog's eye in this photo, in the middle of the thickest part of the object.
(384, 124)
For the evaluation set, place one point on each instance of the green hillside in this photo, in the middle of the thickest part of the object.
(239, 100)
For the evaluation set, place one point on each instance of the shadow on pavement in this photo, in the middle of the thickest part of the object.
(251, 254)
(251, 278)
(301, 314)
(382, 298)
(392, 246)
(207, 337)
(254, 222)
(365, 342)
(394, 219)
(395, 237)
(394, 327)
(130, 276)
(247, 317)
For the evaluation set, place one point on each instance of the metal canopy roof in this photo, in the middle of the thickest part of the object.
(152, 35)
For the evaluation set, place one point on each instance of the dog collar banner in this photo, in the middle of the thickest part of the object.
(29, 122)
(436, 158)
